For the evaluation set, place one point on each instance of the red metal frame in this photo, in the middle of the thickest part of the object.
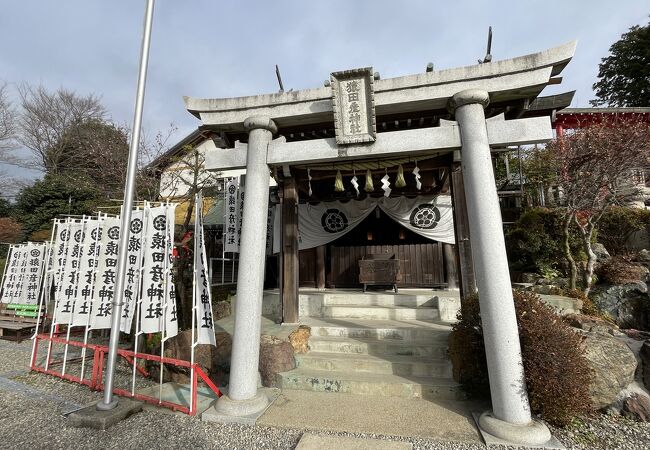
(99, 356)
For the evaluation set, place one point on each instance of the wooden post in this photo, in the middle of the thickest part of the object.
(461, 228)
(290, 274)
(320, 266)
(451, 265)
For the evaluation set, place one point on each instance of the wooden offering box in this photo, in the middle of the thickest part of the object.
(379, 269)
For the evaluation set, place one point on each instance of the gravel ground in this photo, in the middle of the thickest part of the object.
(31, 405)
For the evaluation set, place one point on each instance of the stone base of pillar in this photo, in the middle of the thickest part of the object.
(533, 434)
(241, 411)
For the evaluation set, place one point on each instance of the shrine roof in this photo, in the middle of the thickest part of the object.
(512, 84)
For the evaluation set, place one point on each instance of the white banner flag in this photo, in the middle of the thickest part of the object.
(171, 313)
(133, 270)
(22, 256)
(22, 279)
(71, 237)
(87, 278)
(202, 296)
(35, 255)
(158, 311)
(11, 274)
(102, 303)
(231, 218)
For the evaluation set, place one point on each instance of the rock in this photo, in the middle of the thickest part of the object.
(628, 304)
(528, 277)
(299, 339)
(644, 355)
(562, 283)
(276, 356)
(644, 256)
(221, 310)
(221, 359)
(544, 289)
(591, 323)
(601, 252)
(613, 365)
(550, 286)
(214, 361)
(637, 407)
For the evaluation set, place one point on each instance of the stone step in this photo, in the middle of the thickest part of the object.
(371, 384)
(387, 364)
(379, 312)
(420, 348)
(402, 330)
(381, 299)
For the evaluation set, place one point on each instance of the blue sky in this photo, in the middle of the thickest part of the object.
(207, 48)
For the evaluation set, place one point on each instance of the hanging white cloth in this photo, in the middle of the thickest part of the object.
(427, 215)
(328, 221)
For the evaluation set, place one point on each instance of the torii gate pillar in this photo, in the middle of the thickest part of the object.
(510, 418)
(243, 398)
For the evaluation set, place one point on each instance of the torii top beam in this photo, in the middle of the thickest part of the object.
(507, 80)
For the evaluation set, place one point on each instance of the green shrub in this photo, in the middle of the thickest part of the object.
(557, 374)
(618, 224)
(620, 269)
(535, 242)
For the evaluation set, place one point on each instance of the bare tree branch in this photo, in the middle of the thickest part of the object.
(46, 117)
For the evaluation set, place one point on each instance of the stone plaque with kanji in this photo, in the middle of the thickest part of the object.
(354, 106)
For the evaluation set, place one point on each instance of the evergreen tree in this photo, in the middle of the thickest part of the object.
(624, 75)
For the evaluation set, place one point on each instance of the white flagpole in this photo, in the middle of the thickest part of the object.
(108, 402)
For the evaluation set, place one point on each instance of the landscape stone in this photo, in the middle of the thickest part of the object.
(299, 339)
(591, 323)
(544, 289)
(221, 358)
(613, 365)
(644, 354)
(628, 304)
(637, 407)
(179, 347)
(221, 310)
(528, 277)
(276, 356)
(601, 252)
(644, 256)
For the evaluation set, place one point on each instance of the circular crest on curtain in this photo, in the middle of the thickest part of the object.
(334, 221)
(425, 216)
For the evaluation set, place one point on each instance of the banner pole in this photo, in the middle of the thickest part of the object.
(108, 402)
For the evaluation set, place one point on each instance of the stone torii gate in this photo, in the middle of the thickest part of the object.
(355, 101)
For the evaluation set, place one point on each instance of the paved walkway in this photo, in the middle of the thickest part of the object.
(374, 415)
